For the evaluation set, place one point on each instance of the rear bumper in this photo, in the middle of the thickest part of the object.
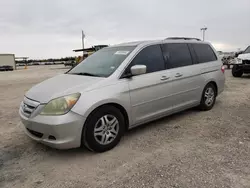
(61, 132)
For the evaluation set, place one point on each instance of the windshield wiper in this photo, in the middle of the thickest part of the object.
(85, 74)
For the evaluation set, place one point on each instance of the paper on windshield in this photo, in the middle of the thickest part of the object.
(121, 53)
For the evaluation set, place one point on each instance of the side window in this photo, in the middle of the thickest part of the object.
(150, 56)
(204, 53)
(177, 55)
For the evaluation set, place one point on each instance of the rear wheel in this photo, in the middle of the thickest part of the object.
(208, 97)
(237, 71)
(103, 129)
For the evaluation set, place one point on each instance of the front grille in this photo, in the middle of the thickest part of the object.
(246, 62)
(35, 133)
(28, 106)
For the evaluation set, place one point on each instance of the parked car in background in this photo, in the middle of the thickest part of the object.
(69, 63)
(20, 64)
(121, 87)
(243, 64)
(227, 58)
(49, 63)
(58, 62)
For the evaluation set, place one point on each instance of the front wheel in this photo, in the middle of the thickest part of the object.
(237, 71)
(208, 97)
(103, 129)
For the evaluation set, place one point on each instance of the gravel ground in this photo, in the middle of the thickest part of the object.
(188, 149)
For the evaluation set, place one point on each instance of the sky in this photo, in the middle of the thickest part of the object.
(52, 28)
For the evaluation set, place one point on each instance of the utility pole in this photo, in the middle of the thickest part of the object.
(83, 37)
(203, 29)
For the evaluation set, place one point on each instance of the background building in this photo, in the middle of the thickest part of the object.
(7, 60)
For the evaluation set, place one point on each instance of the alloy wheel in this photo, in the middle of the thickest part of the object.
(106, 129)
(209, 96)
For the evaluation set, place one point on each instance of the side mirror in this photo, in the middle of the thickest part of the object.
(138, 70)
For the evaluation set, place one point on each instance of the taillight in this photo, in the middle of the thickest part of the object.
(223, 69)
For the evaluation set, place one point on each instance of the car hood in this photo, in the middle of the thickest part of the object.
(244, 56)
(62, 85)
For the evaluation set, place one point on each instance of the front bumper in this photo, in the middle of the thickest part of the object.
(246, 68)
(61, 132)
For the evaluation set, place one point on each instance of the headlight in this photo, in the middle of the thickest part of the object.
(60, 105)
(239, 61)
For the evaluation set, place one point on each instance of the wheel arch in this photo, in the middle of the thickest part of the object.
(215, 85)
(86, 140)
(116, 105)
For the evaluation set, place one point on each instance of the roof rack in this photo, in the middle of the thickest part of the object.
(182, 38)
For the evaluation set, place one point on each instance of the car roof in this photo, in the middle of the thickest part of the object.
(167, 40)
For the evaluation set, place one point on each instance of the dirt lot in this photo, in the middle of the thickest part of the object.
(189, 149)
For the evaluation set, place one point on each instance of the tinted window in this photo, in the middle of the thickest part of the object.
(204, 53)
(103, 62)
(177, 55)
(151, 57)
(247, 50)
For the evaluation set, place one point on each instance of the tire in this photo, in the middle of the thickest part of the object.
(103, 129)
(205, 105)
(237, 71)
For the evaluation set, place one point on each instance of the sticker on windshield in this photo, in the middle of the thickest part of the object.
(121, 53)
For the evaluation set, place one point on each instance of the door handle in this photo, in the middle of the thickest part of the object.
(164, 78)
(178, 75)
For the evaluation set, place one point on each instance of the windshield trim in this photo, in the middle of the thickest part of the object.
(85, 74)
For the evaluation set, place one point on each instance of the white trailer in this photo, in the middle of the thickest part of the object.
(7, 60)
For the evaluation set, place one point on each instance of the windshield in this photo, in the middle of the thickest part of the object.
(247, 50)
(103, 62)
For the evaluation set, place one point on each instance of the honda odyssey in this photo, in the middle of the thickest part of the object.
(121, 87)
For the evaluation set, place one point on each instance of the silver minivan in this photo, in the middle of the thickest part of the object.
(121, 87)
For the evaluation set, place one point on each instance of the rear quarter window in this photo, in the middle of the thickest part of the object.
(204, 53)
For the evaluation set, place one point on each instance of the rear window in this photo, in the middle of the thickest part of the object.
(204, 53)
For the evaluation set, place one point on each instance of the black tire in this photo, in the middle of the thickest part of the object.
(88, 138)
(203, 104)
(237, 71)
